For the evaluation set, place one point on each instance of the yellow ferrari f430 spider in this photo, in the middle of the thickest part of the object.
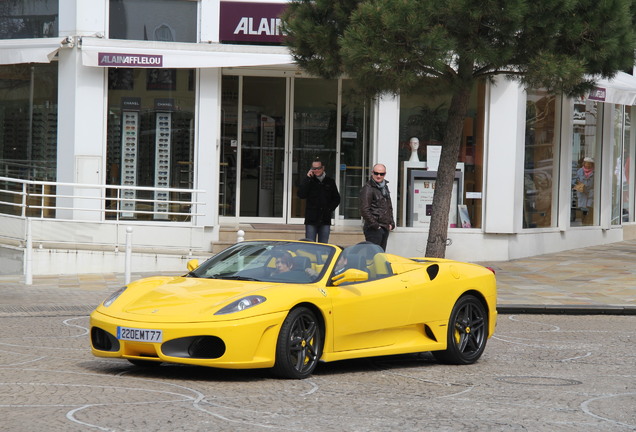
(288, 305)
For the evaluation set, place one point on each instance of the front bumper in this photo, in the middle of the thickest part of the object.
(235, 344)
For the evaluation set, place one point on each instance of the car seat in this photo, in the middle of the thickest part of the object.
(301, 263)
(357, 262)
(380, 267)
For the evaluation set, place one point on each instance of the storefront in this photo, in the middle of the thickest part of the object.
(202, 96)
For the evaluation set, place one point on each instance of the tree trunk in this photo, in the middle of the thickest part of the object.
(438, 230)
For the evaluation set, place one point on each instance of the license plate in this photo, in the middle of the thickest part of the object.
(139, 335)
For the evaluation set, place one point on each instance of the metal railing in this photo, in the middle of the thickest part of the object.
(46, 199)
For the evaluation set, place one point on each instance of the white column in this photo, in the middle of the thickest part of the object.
(503, 186)
(209, 12)
(385, 149)
(207, 151)
(81, 145)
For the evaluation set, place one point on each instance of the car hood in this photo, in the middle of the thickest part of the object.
(186, 299)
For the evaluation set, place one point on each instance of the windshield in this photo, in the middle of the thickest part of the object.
(268, 261)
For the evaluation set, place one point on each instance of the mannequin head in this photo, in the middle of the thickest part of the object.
(414, 143)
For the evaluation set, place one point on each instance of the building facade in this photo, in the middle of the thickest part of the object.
(180, 118)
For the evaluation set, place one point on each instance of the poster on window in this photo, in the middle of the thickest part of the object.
(161, 79)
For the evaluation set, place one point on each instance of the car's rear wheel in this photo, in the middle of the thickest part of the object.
(467, 332)
(299, 344)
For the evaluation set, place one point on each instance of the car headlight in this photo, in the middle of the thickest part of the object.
(109, 301)
(242, 304)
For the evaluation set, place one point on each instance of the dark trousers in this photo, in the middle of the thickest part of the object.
(377, 236)
(319, 231)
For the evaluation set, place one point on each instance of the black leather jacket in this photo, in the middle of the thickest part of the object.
(375, 208)
(322, 199)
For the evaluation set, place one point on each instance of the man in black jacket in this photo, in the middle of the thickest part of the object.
(376, 208)
(322, 197)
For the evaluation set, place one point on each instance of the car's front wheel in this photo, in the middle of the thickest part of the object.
(467, 332)
(299, 344)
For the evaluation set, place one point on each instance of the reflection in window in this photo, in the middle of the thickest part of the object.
(28, 121)
(150, 137)
(163, 20)
(27, 19)
(586, 148)
(540, 160)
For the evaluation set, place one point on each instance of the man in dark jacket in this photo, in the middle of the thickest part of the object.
(376, 208)
(322, 197)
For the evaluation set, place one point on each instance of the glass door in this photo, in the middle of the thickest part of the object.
(314, 135)
(272, 128)
(262, 148)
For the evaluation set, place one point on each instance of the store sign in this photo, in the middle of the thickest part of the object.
(257, 23)
(598, 94)
(129, 60)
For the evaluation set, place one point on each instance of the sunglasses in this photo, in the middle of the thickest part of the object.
(316, 168)
(379, 173)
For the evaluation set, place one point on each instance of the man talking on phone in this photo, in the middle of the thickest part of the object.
(322, 197)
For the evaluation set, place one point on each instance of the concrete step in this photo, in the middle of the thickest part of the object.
(340, 235)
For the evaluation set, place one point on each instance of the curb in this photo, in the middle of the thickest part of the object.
(566, 309)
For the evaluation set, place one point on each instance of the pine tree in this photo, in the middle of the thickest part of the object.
(392, 46)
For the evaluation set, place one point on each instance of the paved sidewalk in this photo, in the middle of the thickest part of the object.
(598, 279)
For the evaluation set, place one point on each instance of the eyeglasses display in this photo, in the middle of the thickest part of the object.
(163, 137)
(129, 144)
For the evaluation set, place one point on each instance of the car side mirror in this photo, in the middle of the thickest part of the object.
(350, 275)
(192, 264)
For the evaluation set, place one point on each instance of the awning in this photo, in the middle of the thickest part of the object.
(17, 51)
(145, 54)
(619, 90)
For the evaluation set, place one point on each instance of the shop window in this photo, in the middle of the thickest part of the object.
(28, 121)
(26, 19)
(587, 136)
(540, 160)
(629, 152)
(424, 117)
(622, 201)
(150, 139)
(154, 20)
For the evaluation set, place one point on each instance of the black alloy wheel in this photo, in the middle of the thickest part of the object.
(299, 345)
(467, 332)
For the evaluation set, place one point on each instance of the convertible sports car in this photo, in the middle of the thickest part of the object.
(287, 305)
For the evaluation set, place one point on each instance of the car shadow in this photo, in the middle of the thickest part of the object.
(119, 367)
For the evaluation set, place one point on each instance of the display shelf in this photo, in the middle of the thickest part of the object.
(162, 163)
(129, 145)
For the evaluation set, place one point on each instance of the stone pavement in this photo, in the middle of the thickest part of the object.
(592, 280)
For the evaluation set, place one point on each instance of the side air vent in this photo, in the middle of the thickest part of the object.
(432, 271)
(429, 333)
